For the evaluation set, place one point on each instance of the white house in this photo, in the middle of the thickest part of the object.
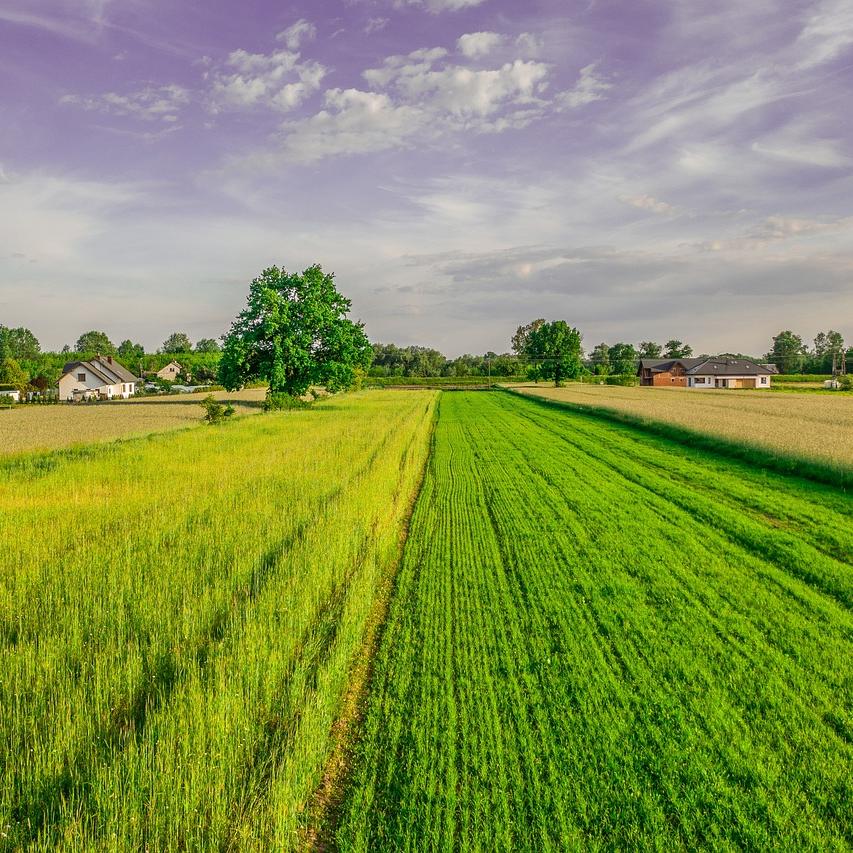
(12, 393)
(170, 371)
(101, 378)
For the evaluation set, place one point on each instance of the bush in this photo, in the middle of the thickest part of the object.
(626, 379)
(214, 411)
(846, 382)
(279, 401)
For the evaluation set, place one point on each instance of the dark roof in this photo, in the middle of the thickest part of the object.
(707, 366)
(99, 366)
(729, 367)
(114, 367)
(662, 365)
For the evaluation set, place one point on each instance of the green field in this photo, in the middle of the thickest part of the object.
(601, 639)
(586, 636)
(179, 615)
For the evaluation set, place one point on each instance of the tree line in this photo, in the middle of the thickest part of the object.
(539, 349)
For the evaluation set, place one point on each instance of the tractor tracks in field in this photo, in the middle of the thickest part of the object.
(324, 808)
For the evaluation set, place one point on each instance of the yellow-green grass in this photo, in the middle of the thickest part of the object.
(815, 427)
(30, 427)
(178, 617)
(605, 640)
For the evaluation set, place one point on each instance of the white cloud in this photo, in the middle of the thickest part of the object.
(589, 88)
(375, 25)
(353, 122)
(437, 6)
(277, 80)
(475, 45)
(529, 45)
(827, 34)
(297, 33)
(647, 202)
(153, 103)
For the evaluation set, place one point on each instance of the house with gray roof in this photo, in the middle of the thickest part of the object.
(705, 372)
(100, 378)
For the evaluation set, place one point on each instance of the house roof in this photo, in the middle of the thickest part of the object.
(113, 366)
(707, 366)
(729, 367)
(102, 369)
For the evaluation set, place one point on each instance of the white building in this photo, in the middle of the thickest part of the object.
(704, 372)
(13, 393)
(101, 378)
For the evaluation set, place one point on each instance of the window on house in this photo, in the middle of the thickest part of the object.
(81, 377)
(763, 380)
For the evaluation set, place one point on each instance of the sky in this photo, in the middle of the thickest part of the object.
(644, 169)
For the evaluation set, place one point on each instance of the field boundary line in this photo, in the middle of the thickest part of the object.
(327, 800)
(781, 463)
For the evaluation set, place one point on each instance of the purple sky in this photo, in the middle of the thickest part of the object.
(642, 169)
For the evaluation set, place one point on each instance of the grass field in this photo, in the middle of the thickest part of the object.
(602, 639)
(178, 619)
(808, 426)
(30, 428)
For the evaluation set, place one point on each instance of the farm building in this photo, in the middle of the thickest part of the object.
(703, 373)
(101, 378)
(170, 371)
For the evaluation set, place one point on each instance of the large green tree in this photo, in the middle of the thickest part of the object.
(788, 352)
(600, 359)
(828, 346)
(649, 349)
(177, 342)
(623, 359)
(677, 349)
(20, 344)
(130, 353)
(208, 345)
(522, 335)
(95, 342)
(556, 351)
(12, 374)
(294, 333)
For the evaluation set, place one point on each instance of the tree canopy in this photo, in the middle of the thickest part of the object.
(649, 349)
(20, 344)
(556, 351)
(677, 349)
(788, 352)
(96, 342)
(207, 345)
(623, 359)
(294, 333)
(522, 335)
(177, 342)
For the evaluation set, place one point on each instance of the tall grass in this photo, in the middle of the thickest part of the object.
(605, 641)
(178, 616)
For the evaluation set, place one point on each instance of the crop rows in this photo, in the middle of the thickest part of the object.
(604, 640)
(808, 427)
(178, 617)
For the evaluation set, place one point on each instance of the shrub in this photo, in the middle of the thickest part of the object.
(281, 402)
(214, 411)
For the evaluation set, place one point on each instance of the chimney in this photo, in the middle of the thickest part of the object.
(109, 359)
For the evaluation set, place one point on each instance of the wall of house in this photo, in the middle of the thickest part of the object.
(668, 380)
(730, 382)
(169, 372)
(69, 383)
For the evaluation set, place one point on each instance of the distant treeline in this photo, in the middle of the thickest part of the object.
(23, 364)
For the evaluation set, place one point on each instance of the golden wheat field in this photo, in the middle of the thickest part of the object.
(811, 426)
(27, 428)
